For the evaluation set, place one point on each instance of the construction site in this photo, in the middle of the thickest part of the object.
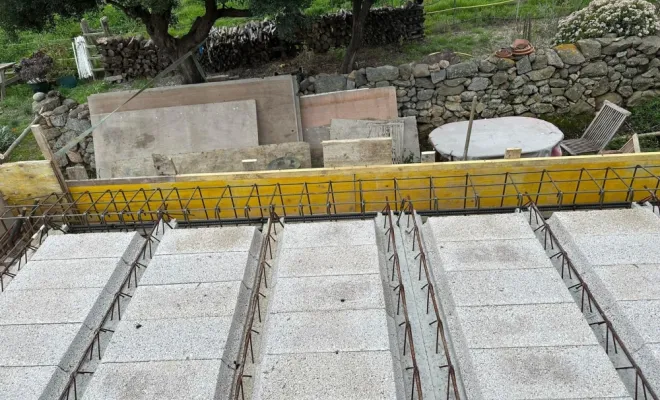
(305, 248)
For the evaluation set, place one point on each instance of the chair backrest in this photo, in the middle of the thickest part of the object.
(631, 146)
(607, 122)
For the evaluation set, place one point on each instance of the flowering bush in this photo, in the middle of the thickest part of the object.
(621, 17)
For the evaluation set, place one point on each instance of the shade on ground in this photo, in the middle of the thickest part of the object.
(516, 330)
(184, 321)
(327, 331)
(618, 256)
(50, 311)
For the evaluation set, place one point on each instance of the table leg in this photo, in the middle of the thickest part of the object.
(2, 88)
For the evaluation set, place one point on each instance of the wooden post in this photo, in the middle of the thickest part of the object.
(512, 153)
(48, 154)
(469, 132)
(428, 157)
(84, 26)
(105, 25)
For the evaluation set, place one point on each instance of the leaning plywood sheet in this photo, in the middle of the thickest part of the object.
(317, 112)
(357, 152)
(272, 156)
(137, 134)
(25, 179)
(405, 147)
(276, 97)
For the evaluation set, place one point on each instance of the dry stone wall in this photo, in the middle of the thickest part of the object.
(130, 57)
(567, 79)
(61, 121)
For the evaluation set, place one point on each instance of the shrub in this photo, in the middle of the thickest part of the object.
(35, 68)
(621, 17)
(6, 138)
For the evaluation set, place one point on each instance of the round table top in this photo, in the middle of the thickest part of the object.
(491, 137)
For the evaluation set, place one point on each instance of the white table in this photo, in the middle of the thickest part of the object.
(491, 137)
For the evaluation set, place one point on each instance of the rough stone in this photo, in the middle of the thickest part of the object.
(642, 83)
(420, 70)
(558, 83)
(542, 74)
(541, 108)
(74, 157)
(523, 65)
(504, 64)
(650, 45)
(424, 83)
(625, 90)
(58, 120)
(71, 103)
(467, 96)
(38, 96)
(595, 69)
(575, 92)
(47, 104)
(405, 71)
(554, 59)
(590, 48)
(582, 107)
(616, 47)
(638, 98)
(500, 77)
(560, 101)
(444, 90)
(479, 83)
(540, 62)
(438, 76)
(78, 125)
(611, 97)
(383, 73)
(456, 82)
(570, 54)
(330, 83)
(602, 87)
(487, 67)
(61, 109)
(425, 94)
(461, 70)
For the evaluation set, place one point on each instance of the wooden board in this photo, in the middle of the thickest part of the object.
(276, 97)
(26, 179)
(357, 152)
(135, 135)
(317, 111)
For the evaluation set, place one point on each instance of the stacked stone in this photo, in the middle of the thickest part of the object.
(130, 57)
(62, 120)
(567, 79)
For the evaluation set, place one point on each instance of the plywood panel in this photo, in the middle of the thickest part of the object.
(276, 97)
(357, 152)
(317, 112)
(136, 135)
(26, 179)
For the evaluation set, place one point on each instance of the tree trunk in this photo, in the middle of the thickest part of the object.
(190, 72)
(360, 13)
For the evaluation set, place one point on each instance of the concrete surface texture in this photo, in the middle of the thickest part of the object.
(185, 323)
(326, 334)
(515, 328)
(278, 112)
(356, 152)
(318, 111)
(403, 131)
(131, 136)
(616, 253)
(49, 312)
(230, 160)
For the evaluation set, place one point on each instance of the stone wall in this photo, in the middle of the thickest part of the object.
(566, 79)
(62, 120)
(130, 57)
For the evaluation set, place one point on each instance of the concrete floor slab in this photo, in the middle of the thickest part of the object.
(502, 287)
(630, 282)
(609, 222)
(619, 249)
(327, 376)
(644, 316)
(322, 234)
(85, 245)
(48, 306)
(207, 240)
(31, 382)
(524, 326)
(327, 331)
(547, 373)
(184, 301)
(37, 345)
(190, 268)
(480, 227)
(70, 274)
(648, 359)
(168, 339)
(191, 380)
(328, 293)
(493, 254)
(316, 261)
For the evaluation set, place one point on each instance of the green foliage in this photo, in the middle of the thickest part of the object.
(38, 15)
(646, 117)
(6, 138)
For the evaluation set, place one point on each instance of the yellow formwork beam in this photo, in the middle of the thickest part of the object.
(451, 185)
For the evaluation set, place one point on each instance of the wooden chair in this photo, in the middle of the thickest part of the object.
(631, 146)
(599, 133)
